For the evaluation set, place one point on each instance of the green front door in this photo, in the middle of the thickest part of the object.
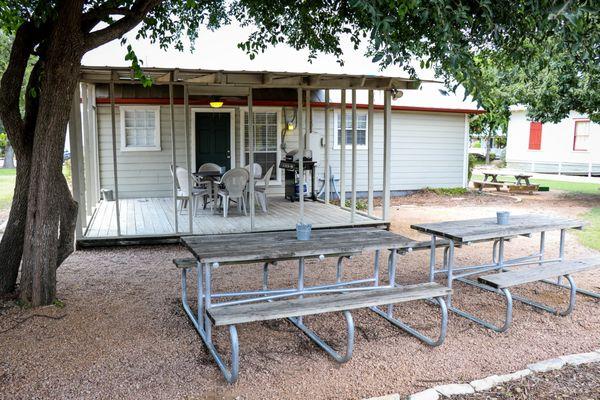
(213, 140)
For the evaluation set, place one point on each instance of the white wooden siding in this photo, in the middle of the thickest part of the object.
(427, 151)
(556, 146)
(141, 173)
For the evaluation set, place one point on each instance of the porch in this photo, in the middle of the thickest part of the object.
(154, 216)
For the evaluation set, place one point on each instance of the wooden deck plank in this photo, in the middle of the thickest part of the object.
(155, 216)
(488, 228)
(320, 304)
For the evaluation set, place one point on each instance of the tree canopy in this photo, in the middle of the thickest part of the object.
(541, 53)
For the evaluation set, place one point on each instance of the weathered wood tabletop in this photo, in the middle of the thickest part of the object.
(488, 228)
(246, 247)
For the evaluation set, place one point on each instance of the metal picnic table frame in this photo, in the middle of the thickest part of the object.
(523, 225)
(366, 239)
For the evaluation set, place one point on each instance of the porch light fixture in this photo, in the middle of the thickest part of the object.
(290, 126)
(215, 102)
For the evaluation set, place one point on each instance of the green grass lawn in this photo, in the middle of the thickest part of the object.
(590, 235)
(7, 185)
(578, 187)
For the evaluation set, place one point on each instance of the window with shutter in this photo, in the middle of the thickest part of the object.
(535, 135)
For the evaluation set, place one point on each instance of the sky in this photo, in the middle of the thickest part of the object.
(218, 50)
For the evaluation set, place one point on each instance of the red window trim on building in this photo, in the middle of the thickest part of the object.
(535, 135)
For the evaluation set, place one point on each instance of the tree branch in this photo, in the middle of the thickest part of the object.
(12, 82)
(117, 29)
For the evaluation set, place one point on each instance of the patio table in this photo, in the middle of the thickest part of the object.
(270, 247)
(465, 232)
(213, 177)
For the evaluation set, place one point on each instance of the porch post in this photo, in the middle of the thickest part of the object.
(87, 150)
(114, 154)
(77, 173)
(251, 155)
(354, 140)
(300, 156)
(370, 154)
(343, 149)
(188, 161)
(174, 162)
(387, 151)
(327, 174)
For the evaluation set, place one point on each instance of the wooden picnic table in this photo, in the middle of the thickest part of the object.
(519, 177)
(465, 232)
(248, 305)
(488, 229)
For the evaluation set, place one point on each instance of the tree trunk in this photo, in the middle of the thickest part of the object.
(47, 209)
(11, 246)
(9, 157)
(488, 147)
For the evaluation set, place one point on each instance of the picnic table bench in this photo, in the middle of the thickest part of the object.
(508, 272)
(521, 184)
(296, 302)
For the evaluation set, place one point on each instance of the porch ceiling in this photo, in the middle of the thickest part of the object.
(262, 79)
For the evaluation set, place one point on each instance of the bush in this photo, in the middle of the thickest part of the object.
(361, 204)
(447, 191)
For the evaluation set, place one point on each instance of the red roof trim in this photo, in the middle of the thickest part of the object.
(280, 103)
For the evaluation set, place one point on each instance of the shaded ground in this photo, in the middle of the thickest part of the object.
(573, 383)
(123, 334)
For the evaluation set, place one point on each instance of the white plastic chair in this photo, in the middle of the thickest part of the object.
(257, 170)
(260, 189)
(183, 192)
(234, 186)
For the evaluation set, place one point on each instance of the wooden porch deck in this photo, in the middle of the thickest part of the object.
(150, 217)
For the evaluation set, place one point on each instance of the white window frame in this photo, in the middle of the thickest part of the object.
(336, 128)
(124, 146)
(242, 145)
(575, 135)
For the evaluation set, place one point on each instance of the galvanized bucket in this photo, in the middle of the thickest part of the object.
(502, 217)
(303, 231)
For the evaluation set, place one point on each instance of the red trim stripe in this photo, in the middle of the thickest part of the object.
(279, 103)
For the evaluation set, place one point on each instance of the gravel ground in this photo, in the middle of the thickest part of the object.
(572, 383)
(123, 334)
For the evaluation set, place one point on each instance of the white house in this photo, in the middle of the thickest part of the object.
(126, 143)
(571, 146)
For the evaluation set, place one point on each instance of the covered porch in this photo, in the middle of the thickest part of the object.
(125, 138)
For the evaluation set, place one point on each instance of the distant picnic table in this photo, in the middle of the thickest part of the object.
(521, 184)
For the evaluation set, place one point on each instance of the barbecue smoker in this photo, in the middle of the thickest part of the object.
(291, 166)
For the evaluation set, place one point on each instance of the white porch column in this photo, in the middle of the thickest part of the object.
(251, 156)
(174, 162)
(188, 161)
(354, 140)
(300, 156)
(114, 155)
(327, 174)
(343, 149)
(370, 154)
(77, 155)
(387, 152)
